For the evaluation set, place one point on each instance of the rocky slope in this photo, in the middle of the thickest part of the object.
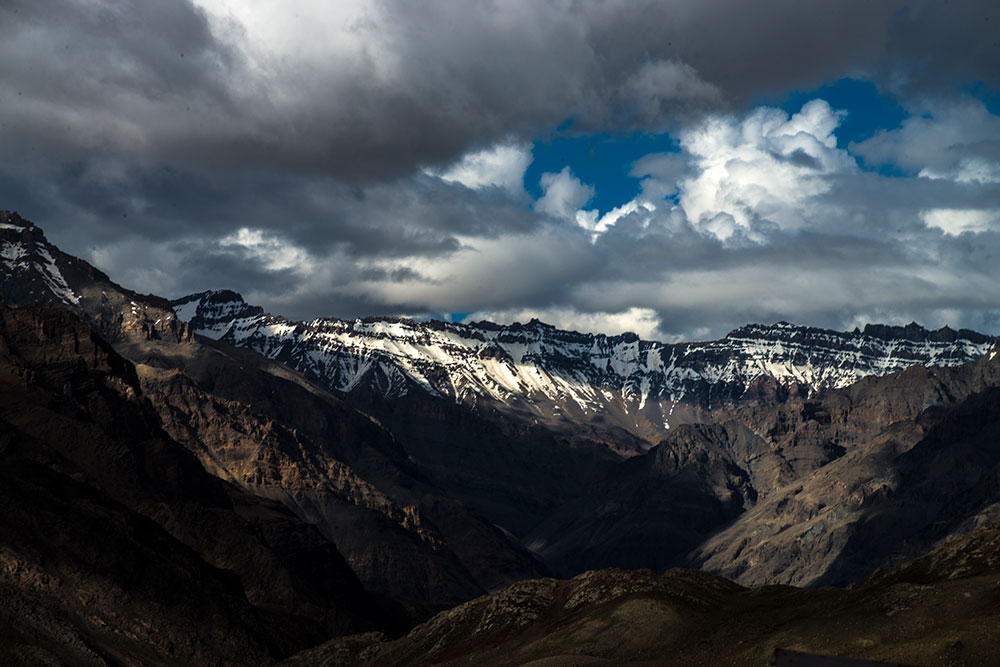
(807, 492)
(86, 581)
(272, 433)
(567, 379)
(893, 493)
(942, 609)
(115, 541)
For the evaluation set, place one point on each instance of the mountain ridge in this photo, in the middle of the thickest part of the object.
(537, 372)
(531, 371)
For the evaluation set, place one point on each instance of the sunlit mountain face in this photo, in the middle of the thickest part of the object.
(392, 333)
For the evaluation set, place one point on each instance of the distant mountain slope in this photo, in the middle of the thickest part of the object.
(896, 491)
(537, 372)
(786, 444)
(811, 491)
(266, 429)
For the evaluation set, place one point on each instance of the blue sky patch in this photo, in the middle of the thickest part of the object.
(868, 109)
(600, 160)
(604, 161)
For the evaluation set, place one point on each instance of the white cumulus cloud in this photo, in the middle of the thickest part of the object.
(502, 166)
(564, 195)
(272, 251)
(760, 171)
(956, 221)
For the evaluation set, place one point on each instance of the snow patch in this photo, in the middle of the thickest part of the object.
(186, 311)
(548, 371)
(53, 277)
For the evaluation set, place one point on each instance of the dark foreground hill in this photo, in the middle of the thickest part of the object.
(942, 609)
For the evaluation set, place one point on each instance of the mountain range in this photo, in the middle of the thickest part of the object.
(535, 372)
(169, 460)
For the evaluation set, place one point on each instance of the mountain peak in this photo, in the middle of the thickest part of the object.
(212, 313)
(9, 219)
(33, 267)
(534, 324)
(916, 333)
(211, 296)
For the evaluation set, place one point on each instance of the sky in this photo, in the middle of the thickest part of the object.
(676, 169)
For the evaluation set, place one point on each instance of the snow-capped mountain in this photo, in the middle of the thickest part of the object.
(29, 265)
(531, 371)
(537, 371)
(34, 272)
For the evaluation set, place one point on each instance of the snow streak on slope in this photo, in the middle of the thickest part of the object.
(26, 259)
(540, 370)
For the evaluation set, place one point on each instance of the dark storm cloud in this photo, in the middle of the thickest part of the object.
(106, 76)
(183, 148)
(102, 201)
(420, 83)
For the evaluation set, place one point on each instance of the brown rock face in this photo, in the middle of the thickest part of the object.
(270, 432)
(810, 491)
(104, 510)
(920, 462)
